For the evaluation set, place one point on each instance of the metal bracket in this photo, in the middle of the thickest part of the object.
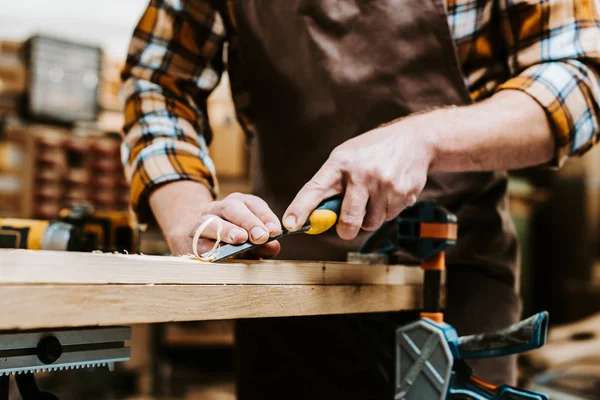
(423, 362)
(24, 353)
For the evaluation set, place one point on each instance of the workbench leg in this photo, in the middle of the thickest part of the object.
(140, 361)
(4, 383)
(158, 385)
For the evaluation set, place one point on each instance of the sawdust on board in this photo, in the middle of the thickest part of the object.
(209, 255)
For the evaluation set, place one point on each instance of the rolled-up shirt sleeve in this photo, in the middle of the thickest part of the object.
(553, 53)
(175, 60)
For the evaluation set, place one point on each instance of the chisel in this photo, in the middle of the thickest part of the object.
(320, 220)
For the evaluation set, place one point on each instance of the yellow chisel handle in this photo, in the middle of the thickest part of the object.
(324, 216)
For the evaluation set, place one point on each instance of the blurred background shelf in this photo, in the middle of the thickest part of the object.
(54, 154)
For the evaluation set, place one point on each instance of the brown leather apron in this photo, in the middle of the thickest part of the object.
(319, 73)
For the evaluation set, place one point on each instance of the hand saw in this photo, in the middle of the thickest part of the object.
(24, 352)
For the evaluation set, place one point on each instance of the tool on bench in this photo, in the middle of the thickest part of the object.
(320, 220)
(430, 359)
(422, 231)
(25, 353)
(78, 228)
(429, 353)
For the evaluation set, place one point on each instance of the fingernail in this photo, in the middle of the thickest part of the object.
(290, 222)
(257, 233)
(234, 234)
(272, 227)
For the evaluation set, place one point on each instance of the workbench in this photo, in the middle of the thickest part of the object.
(44, 289)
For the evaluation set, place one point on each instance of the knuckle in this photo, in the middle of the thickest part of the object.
(314, 184)
(368, 174)
(349, 222)
(222, 205)
(411, 198)
(247, 221)
(230, 203)
(236, 196)
(398, 191)
(257, 201)
(340, 155)
(336, 153)
(387, 180)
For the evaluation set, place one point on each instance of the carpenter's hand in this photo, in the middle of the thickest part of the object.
(181, 207)
(380, 173)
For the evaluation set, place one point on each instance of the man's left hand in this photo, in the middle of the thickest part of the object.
(379, 172)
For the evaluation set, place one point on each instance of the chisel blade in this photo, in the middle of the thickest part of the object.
(230, 250)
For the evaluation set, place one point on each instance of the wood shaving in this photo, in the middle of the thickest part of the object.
(214, 252)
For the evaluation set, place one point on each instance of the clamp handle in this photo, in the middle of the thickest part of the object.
(523, 336)
(476, 389)
(465, 386)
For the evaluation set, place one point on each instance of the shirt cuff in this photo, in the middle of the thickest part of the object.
(568, 92)
(162, 163)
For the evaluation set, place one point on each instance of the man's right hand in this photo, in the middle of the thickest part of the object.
(180, 207)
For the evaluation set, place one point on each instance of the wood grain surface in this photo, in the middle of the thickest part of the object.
(45, 289)
(44, 267)
(49, 306)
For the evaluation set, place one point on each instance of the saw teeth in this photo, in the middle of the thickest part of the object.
(56, 368)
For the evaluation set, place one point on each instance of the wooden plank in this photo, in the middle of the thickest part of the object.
(48, 267)
(49, 306)
(141, 353)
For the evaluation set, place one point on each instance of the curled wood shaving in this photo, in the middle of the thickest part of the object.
(214, 252)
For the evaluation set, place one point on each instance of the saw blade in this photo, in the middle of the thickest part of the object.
(52, 368)
(82, 358)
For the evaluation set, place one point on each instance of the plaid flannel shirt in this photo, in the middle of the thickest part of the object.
(549, 49)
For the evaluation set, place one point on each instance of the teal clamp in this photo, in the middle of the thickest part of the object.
(403, 233)
(523, 336)
(430, 360)
(475, 392)
(463, 386)
(526, 335)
